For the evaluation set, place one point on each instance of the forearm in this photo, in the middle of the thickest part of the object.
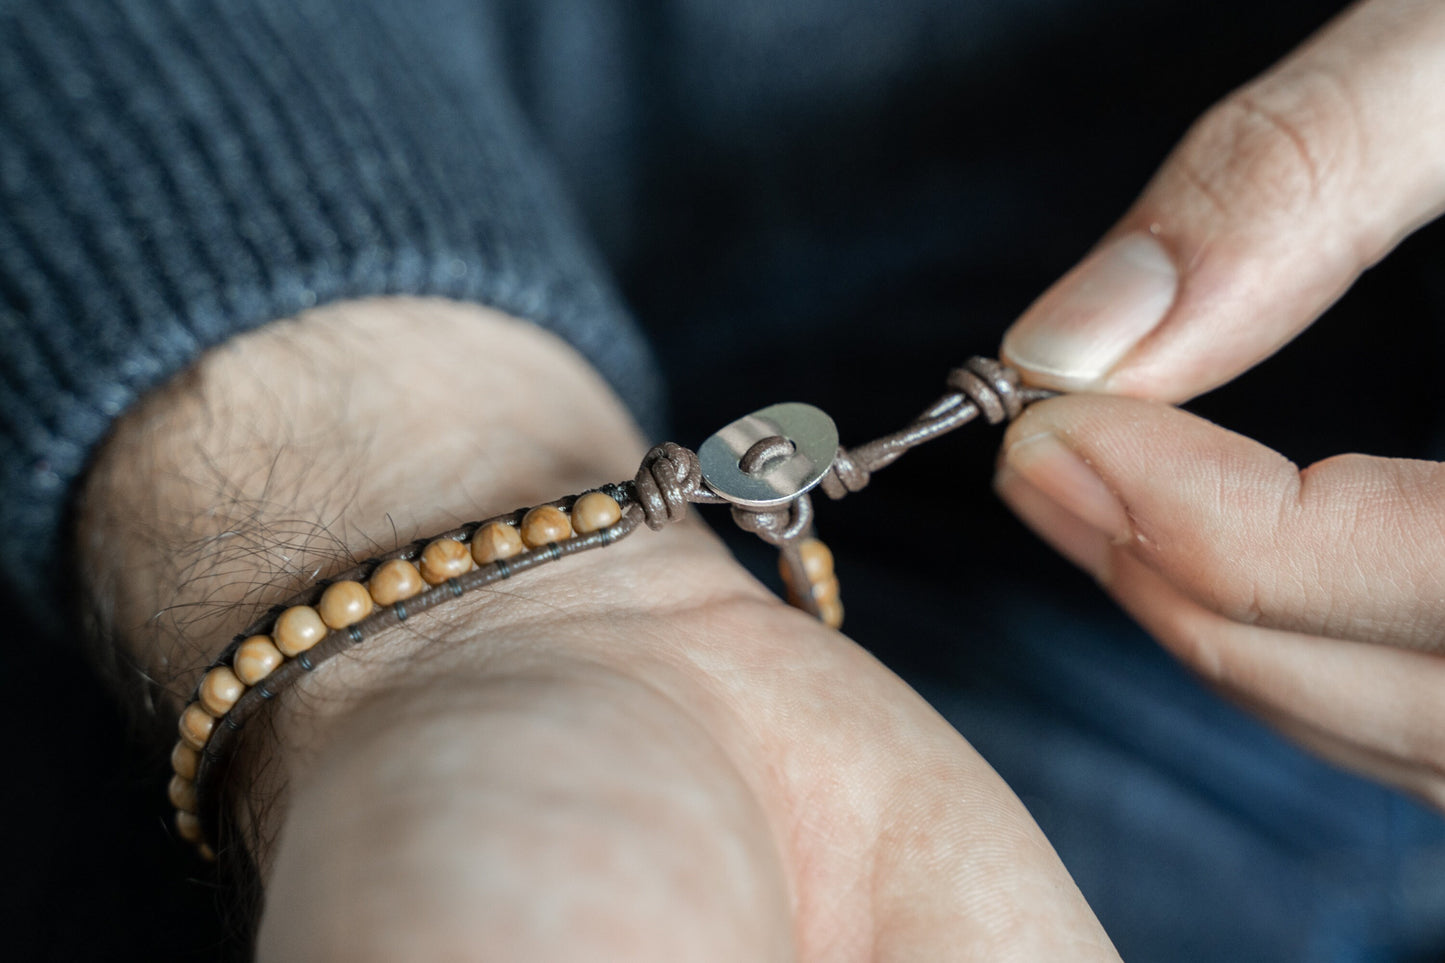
(283, 455)
(282, 458)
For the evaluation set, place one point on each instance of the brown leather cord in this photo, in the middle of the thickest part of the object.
(982, 386)
(765, 452)
(667, 481)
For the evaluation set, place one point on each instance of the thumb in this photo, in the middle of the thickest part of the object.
(1348, 548)
(1269, 209)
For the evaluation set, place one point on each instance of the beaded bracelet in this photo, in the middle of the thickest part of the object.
(763, 466)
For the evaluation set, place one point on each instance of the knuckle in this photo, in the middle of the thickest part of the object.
(1378, 530)
(1275, 147)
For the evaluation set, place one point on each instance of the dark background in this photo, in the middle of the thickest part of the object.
(877, 237)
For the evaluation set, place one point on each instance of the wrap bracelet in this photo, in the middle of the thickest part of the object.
(763, 466)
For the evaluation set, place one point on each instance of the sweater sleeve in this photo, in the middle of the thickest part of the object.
(174, 172)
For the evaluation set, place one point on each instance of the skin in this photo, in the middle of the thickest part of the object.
(1313, 595)
(636, 754)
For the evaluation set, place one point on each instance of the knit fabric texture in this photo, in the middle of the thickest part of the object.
(173, 173)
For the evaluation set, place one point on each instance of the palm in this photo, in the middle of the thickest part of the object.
(721, 778)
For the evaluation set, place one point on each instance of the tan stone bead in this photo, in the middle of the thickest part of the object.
(545, 524)
(344, 603)
(595, 511)
(220, 689)
(182, 793)
(831, 612)
(443, 559)
(185, 761)
(206, 852)
(395, 581)
(188, 827)
(817, 559)
(826, 590)
(298, 629)
(196, 725)
(256, 658)
(494, 541)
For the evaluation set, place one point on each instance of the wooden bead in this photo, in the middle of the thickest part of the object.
(545, 524)
(344, 603)
(595, 511)
(256, 658)
(196, 725)
(494, 541)
(831, 612)
(185, 761)
(206, 852)
(220, 689)
(298, 629)
(188, 827)
(443, 559)
(182, 793)
(826, 590)
(395, 581)
(817, 559)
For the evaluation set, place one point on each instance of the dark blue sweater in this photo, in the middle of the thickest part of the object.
(173, 173)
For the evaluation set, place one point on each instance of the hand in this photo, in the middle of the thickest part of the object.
(1315, 596)
(635, 754)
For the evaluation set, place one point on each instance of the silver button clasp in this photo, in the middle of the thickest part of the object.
(770, 457)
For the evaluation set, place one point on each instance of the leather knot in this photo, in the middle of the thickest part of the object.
(991, 386)
(668, 477)
(844, 476)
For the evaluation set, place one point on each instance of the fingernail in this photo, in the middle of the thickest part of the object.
(1073, 538)
(1058, 473)
(1074, 335)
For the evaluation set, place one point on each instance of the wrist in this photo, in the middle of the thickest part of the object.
(290, 453)
(553, 787)
(644, 610)
(342, 433)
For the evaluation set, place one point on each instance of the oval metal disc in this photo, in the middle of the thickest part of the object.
(779, 481)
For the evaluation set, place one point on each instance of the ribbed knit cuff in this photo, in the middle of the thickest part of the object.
(173, 173)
